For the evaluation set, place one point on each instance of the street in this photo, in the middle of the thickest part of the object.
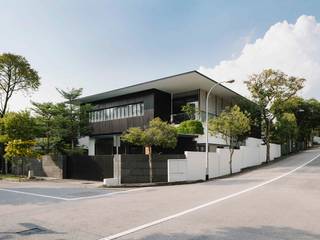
(279, 201)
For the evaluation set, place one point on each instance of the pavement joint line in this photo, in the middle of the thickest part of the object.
(73, 199)
(179, 214)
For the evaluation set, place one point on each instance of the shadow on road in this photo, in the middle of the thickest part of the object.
(242, 233)
(29, 229)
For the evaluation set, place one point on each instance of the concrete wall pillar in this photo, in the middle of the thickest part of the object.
(92, 145)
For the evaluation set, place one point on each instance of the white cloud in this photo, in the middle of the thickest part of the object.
(291, 48)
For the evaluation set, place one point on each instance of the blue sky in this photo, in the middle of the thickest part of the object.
(102, 45)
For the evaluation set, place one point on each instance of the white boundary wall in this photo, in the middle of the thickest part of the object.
(194, 166)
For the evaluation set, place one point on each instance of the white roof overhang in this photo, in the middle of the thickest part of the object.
(173, 84)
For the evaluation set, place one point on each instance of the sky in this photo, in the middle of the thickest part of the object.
(104, 45)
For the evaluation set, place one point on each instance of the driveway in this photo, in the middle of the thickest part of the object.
(280, 201)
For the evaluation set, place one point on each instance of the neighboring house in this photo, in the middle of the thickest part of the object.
(134, 106)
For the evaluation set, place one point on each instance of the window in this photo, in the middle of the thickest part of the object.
(108, 114)
(111, 113)
(130, 111)
(138, 109)
(134, 110)
(127, 111)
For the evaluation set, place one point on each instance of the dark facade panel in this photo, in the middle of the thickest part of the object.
(156, 104)
(162, 105)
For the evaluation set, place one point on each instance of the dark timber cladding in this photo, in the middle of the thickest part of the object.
(156, 104)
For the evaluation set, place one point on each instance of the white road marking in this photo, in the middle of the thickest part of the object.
(156, 222)
(110, 194)
(73, 199)
(33, 194)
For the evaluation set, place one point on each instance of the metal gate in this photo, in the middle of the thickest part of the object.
(90, 167)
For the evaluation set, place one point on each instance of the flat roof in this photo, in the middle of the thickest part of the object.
(179, 83)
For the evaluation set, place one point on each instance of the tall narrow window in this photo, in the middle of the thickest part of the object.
(108, 114)
(111, 113)
(130, 111)
(125, 111)
(142, 109)
(134, 110)
(138, 109)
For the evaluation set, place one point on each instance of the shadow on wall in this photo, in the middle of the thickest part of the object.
(242, 233)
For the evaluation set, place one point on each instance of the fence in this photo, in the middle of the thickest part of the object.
(194, 166)
(90, 167)
(135, 167)
(46, 166)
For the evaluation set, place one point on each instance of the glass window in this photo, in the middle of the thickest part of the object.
(122, 112)
(134, 110)
(100, 116)
(126, 111)
(115, 113)
(118, 113)
(108, 114)
(95, 116)
(138, 109)
(104, 115)
(111, 113)
(130, 111)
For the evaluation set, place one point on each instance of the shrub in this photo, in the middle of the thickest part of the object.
(20, 151)
(190, 127)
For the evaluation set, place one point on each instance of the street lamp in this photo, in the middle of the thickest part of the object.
(207, 116)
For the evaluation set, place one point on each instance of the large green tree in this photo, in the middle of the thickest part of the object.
(16, 75)
(268, 88)
(18, 125)
(46, 115)
(17, 130)
(285, 129)
(233, 125)
(74, 121)
(159, 133)
(307, 115)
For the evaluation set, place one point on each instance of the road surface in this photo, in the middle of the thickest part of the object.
(279, 201)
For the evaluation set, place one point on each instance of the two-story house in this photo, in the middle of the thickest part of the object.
(134, 106)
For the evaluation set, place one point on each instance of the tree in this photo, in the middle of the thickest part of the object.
(18, 125)
(189, 110)
(253, 112)
(74, 121)
(159, 133)
(268, 88)
(46, 114)
(16, 75)
(14, 126)
(307, 114)
(190, 127)
(286, 128)
(233, 125)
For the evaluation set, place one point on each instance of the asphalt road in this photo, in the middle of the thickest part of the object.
(280, 201)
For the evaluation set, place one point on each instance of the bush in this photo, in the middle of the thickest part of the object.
(190, 127)
(19, 152)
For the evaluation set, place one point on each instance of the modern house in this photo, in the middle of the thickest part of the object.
(134, 106)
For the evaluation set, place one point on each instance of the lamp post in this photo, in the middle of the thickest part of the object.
(206, 129)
